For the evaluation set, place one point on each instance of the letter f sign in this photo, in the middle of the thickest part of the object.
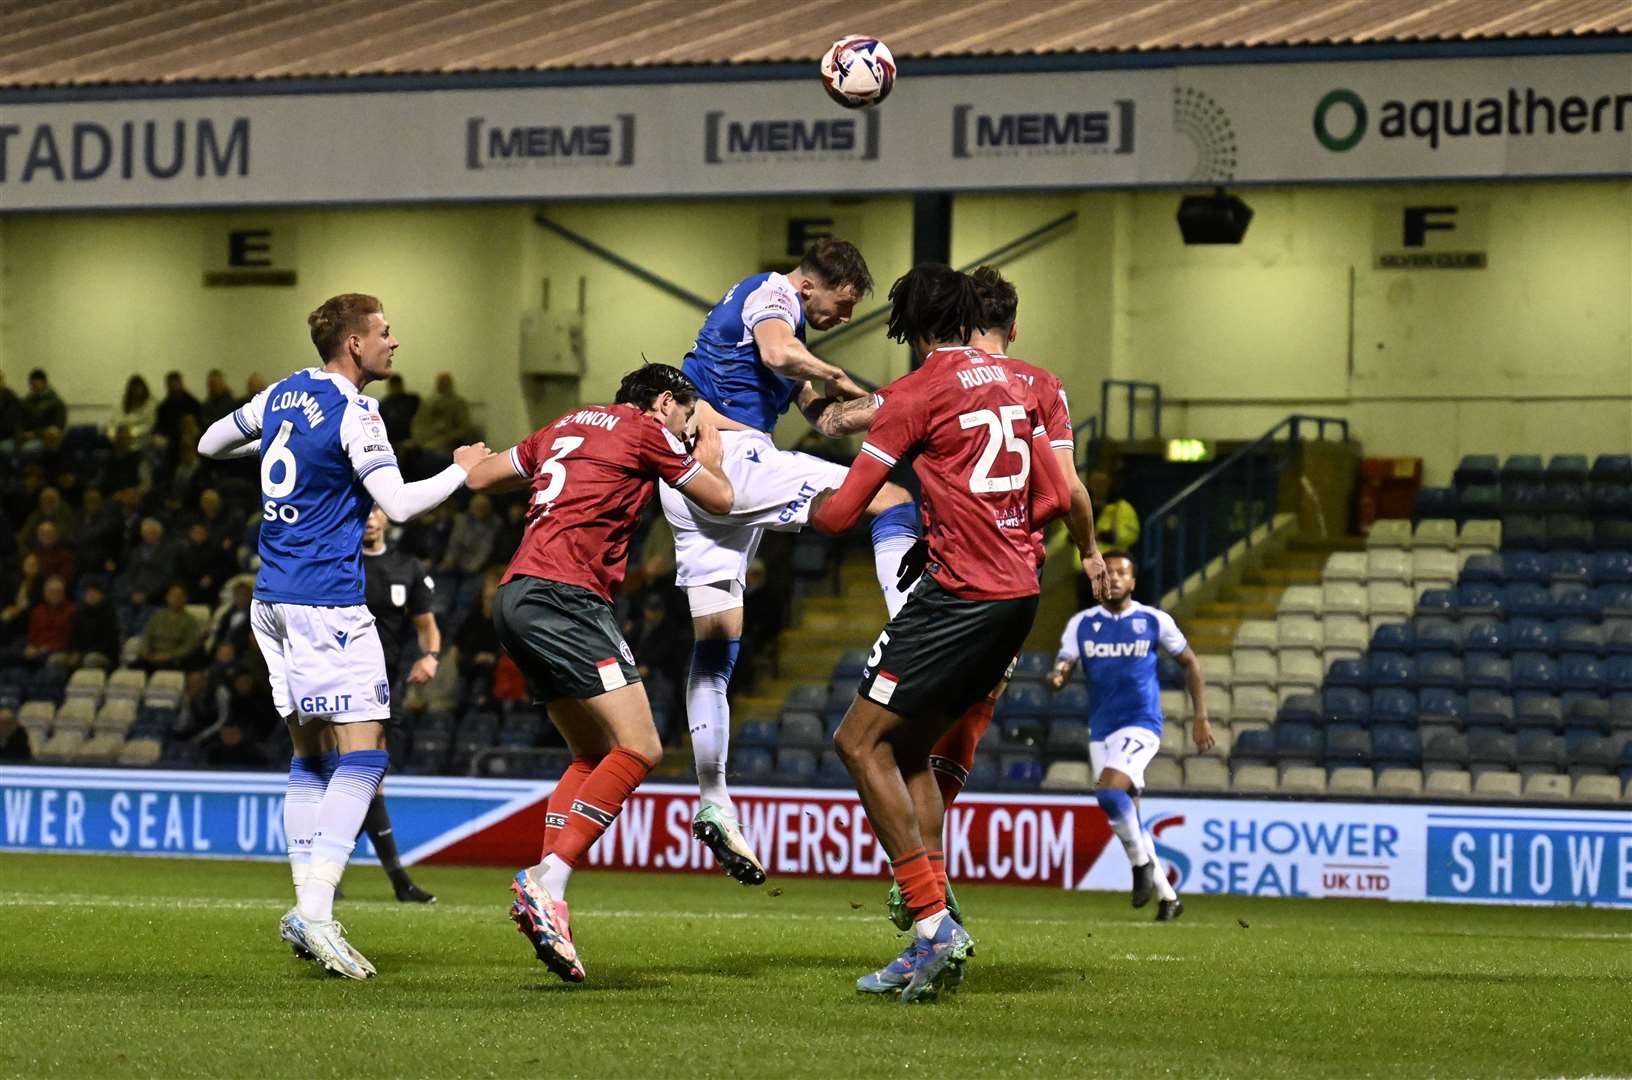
(1420, 220)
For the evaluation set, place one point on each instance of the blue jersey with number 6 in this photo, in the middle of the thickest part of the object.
(319, 439)
(1118, 656)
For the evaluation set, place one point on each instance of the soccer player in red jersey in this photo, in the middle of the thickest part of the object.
(981, 453)
(591, 471)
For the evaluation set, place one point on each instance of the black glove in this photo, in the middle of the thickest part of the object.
(912, 564)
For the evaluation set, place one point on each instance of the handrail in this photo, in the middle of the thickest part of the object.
(1132, 386)
(1153, 541)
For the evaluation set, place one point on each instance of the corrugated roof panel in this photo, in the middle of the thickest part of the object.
(85, 42)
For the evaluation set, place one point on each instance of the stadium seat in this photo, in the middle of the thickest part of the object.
(801, 729)
(1389, 705)
(1070, 700)
(61, 747)
(117, 716)
(1346, 705)
(1303, 780)
(1479, 500)
(1168, 671)
(1254, 780)
(1067, 738)
(1581, 671)
(1348, 673)
(1531, 635)
(1162, 774)
(86, 683)
(1590, 753)
(806, 697)
(1479, 535)
(1397, 783)
(1390, 669)
(1577, 601)
(1253, 746)
(1389, 532)
(1534, 671)
(1525, 498)
(1446, 750)
(1497, 784)
(1344, 633)
(1344, 566)
(1257, 634)
(1520, 566)
(1476, 598)
(1437, 602)
(1388, 564)
(1490, 708)
(1343, 598)
(1348, 781)
(1204, 774)
(1538, 748)
(1299, 668)
(1491, 750)
(140, 752)
(1217, 700)
(1437, 529)
(1253, 667)
(1348, 747)
(1172, 741)
(1073, 776)
(1612, 567)
(1526, 599)
(1436, 633)
(1568, 469)
(1609, 500)
(753, 733)
(1394, 637)
(1478, 469)
(1547, 787)
(1300, 600)
(796, 765)
(1022, 772)
(1523, 469)
(1301, 633)
(1024, 701)
(1433, 569)
(1216, 669)
(1569, 531)
(1297, 743)
(1596, 789)
(36, 715)
(1617, 600)
(1033, 664)
(1570, 567)
(1171, 701)
(1396, 745)
(102, 748)
(1223, 741)
(1613, 533)
(1538, 709)
(1439, 705)
(1438, 669)
(1483, 634)
(1585, 639)
(1612, 468)
(1253, 703)
(849, 665)
(1524, 530)
(78, 714)
(1299, 706)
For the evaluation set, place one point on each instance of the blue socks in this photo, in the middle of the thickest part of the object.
(1124, 817)
(340, 817)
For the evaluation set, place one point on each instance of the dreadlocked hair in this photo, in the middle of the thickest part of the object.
(933, 302)
(644, 385)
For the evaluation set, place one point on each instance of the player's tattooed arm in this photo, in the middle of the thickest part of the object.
(836, 415)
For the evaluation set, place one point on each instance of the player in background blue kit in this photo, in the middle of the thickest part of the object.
(1116, 641)
(325, 463)
(749, 363)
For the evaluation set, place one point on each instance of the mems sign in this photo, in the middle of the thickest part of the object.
(249, 254)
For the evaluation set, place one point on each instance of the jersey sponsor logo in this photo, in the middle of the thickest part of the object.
(728, 140)
(807, 492)
(549, 145)
(323, 704)
(883, 688)
(1114, 650)
(297, 401)
(611, 674)
(376, 448)
(1043, 134)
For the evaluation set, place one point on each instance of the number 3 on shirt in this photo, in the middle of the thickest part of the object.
(1000, 429)
(554, 471)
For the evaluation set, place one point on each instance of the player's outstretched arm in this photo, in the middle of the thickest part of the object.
(1195, 684)
(837, 510)
(837, 414)
(786, 355)
(401, 500)
(709, 487)
(223, 439)
(501, 472)
(1066, 658)
(1079, 522)
(1050, 495)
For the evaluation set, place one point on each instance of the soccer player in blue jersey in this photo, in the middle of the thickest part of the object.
(1116, 642)
(750, 363)
(325, 463)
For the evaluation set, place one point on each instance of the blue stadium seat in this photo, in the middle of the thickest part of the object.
(1497, 751)
(1395, 637)
(1534, 671)
(1437, 602)
(1254, 747)
(1617, 600)
(1393, 745)
(1612, 468)
(1618, 638)
(801, 729)
(1022, 734)
(1436, 502)
(1486, 671)
(1623, 762)
(1023, 701)
(1538, 748)
(1580, 637)
(1438, 669)
(1478, 469)
(1605, 500)
(1581, 671)
(1618, 672)
(1478, 501)
(1620, 711)
(1437, 633)
(1527, 599)
(1346, 705)
(1298, 744)
(1348, 747)
(1524, 530)
(1612, 567)
(1591, 754)
(1486, 635)
(1391, 705)
(754, 733)
(1535, 708)
(1476, 598)
(1067, 738)
(1441, 706)
(1612, 533)
(1491, 569)
(1070, 700)
(1567, 499)
(1348, 673)
(1446, 750)
(1529, 634)
(1023, 773)
(1571, 567)
(850, 665)
(1490, 707)
(1301, 709)
(796, 765)
(1523, 565)
(1523, 469)
(1568, 531)
(1578, 600)
(752, 763)
(1524, 498)
(1586, 712)
(838, 699)
(1568, 469)
(1390, 669)
(1035, 664)
(808, 697)
(830, 772)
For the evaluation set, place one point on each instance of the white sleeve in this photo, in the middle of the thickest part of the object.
(1070, 651)
(362, 433)
(1169, 634)
(772, 300)
(237, 434)
(1066, 440)
(400, 500)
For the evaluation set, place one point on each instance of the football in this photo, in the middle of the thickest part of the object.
(858, 71)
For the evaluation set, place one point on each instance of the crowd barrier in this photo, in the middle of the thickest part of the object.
(1394, 851)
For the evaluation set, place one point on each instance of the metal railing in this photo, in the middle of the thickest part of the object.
(1185, 533)
(1132, 389)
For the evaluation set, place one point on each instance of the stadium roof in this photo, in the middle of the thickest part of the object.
(83, 43)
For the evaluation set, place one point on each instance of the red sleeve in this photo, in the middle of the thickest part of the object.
(840, 511)
(524, 455)
(659, 456)
(1050, 492)
(1057, 417)
(897, 427)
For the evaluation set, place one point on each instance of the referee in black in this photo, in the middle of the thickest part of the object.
(399, 591)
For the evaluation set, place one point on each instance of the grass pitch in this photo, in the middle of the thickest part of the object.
(119, 967)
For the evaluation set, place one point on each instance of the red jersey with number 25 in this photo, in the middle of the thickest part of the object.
(974, 426)
(1056, 412)
(592, 471)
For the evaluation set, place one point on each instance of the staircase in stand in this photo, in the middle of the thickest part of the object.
(1212, 628)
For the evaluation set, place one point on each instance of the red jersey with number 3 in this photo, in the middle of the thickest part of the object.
(1056, 412)
(592, 471)
(974, 426)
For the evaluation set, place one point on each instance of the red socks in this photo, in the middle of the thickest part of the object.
(566, 790)
(921, 887)
(953, 757)
(937, 863)
(597, 803)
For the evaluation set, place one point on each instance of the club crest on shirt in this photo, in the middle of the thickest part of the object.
(382, 693)
(1096, 628)
(1138, 626)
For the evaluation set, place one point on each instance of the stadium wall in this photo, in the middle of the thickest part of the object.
(1379, 850)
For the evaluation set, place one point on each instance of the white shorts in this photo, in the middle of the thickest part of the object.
(1127, 750)
(325, 663)
(773, 491)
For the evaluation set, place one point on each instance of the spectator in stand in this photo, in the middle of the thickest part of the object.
(224, 532)
(95, 643)
(56, 559)
(184, 470)
(178, 403)
(136, 411)
(470, 546)
(14, 748)
(50, 623)
(204, 697)
(149, 567)
(1117, 526)
(231, 748)
(208, 565)
(59, 464)
(443, 422)
(10, 413)
(397, 409)
(50, 507)
(27, 587)
(231, 625)
(478, 644)
(218, 400)
(124, 466)
(101, 535)
(254, 384)
(172, 638)
(40, 409)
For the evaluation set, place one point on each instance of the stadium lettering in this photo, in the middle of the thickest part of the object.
(1043, 129)
(86, 151)
(1354, 840)
(1526, 113)
(785, 136)
(969, 378)
(591, 140)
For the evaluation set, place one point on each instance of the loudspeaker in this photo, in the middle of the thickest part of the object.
(1213, 219)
